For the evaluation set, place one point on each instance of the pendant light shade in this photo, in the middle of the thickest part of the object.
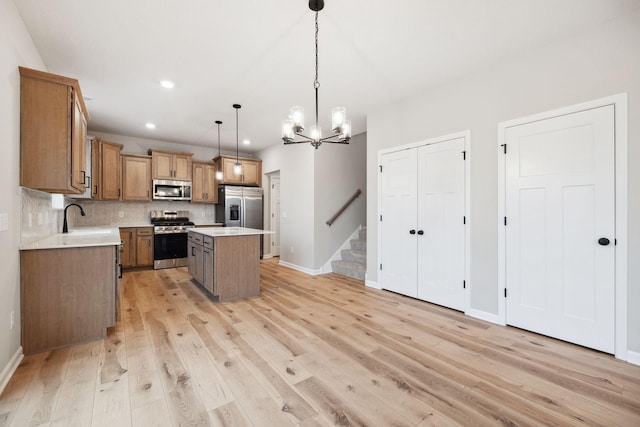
(237, 168)
(219, 174)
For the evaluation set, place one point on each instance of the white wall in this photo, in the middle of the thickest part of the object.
(295, 163)
(339, 171)
(602, 62)
(16, 48)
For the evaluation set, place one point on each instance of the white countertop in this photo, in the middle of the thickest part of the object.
(228, 231)
(78, 238)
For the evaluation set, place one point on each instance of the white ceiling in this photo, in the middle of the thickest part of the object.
(260, 53)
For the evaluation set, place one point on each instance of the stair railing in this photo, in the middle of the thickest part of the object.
(343, 208)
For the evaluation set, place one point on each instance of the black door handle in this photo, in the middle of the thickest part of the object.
(420, 232)
(412, 231)
(603, 241)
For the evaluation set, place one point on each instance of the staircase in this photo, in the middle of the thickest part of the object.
(354, 261)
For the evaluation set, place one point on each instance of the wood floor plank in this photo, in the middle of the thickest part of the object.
(313, 351)
(40, 397)
(75, 404)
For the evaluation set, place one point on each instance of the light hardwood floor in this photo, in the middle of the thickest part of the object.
(313, 351)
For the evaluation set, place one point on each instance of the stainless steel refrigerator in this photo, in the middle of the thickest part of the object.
(240, 207)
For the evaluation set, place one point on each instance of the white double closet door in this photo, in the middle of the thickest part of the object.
(422, 231)
(559, 236)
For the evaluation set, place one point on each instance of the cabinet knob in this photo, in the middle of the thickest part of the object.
(412, 232)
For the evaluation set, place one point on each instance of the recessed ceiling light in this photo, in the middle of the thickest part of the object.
(246, 142)
(167, 84)
(150, 125)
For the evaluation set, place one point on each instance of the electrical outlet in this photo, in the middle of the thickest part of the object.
(12, 319)
(121, 214)
(291, 249)
(39, 218)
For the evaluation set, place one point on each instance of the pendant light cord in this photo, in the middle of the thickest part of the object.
(237, 161)
(316, 83)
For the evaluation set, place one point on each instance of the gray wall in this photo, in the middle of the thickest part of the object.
(312, 183)
(16, 48)
(601, 62)
(339, 171)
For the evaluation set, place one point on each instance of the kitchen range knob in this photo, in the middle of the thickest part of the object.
(603, 241)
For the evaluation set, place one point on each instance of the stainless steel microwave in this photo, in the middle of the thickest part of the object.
(171, 190)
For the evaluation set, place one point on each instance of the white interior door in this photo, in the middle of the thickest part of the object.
(398, 207)
(441, 227)
(275, 215)
(560, 200)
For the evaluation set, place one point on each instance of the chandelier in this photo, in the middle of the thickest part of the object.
(294, 125)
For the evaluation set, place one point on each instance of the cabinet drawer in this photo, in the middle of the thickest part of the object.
(195, 238)
(145, 231)
(207, 242)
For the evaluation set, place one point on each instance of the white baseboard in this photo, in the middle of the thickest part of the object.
(11, 367)
(483, 315)
(633, 357)
(299, 268)
(372, 284)
(267, 256)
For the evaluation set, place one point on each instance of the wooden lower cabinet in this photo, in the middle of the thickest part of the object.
(137, 247)
(68, 295)
(228, 267)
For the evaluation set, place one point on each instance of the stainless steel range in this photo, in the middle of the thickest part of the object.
(170, 238)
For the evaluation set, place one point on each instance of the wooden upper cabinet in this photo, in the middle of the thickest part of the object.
(106, 170)
(53, 129)
(205, 186)
(251, 174)
(136, 178)
(171, 165)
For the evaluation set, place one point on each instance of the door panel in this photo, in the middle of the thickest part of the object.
(560, 200)
(398, 209)
(441, 210)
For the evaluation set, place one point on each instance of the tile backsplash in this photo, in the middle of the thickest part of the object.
(39, 218)
(134, 214)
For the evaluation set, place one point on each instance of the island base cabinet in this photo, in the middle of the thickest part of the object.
(68, 296)
(236, 267)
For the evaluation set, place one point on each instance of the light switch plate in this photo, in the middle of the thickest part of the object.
(4, 221)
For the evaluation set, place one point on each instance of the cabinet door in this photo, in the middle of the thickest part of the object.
(182, 167)
(162, 165)
(195, 261)
(207, 269)
(211, 185)
(250, 173)
(78, 146)
(227, 169)
(136, 178)
(198, 190)
(144, 248)
(96, 169)
(127, 257)
(110, 171)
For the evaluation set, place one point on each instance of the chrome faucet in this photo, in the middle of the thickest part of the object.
(65, 228)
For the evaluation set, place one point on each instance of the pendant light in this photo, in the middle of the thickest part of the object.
(219, 174)
(294, 125)
(237, 168)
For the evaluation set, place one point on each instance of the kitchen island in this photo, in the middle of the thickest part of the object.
(226, 261)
